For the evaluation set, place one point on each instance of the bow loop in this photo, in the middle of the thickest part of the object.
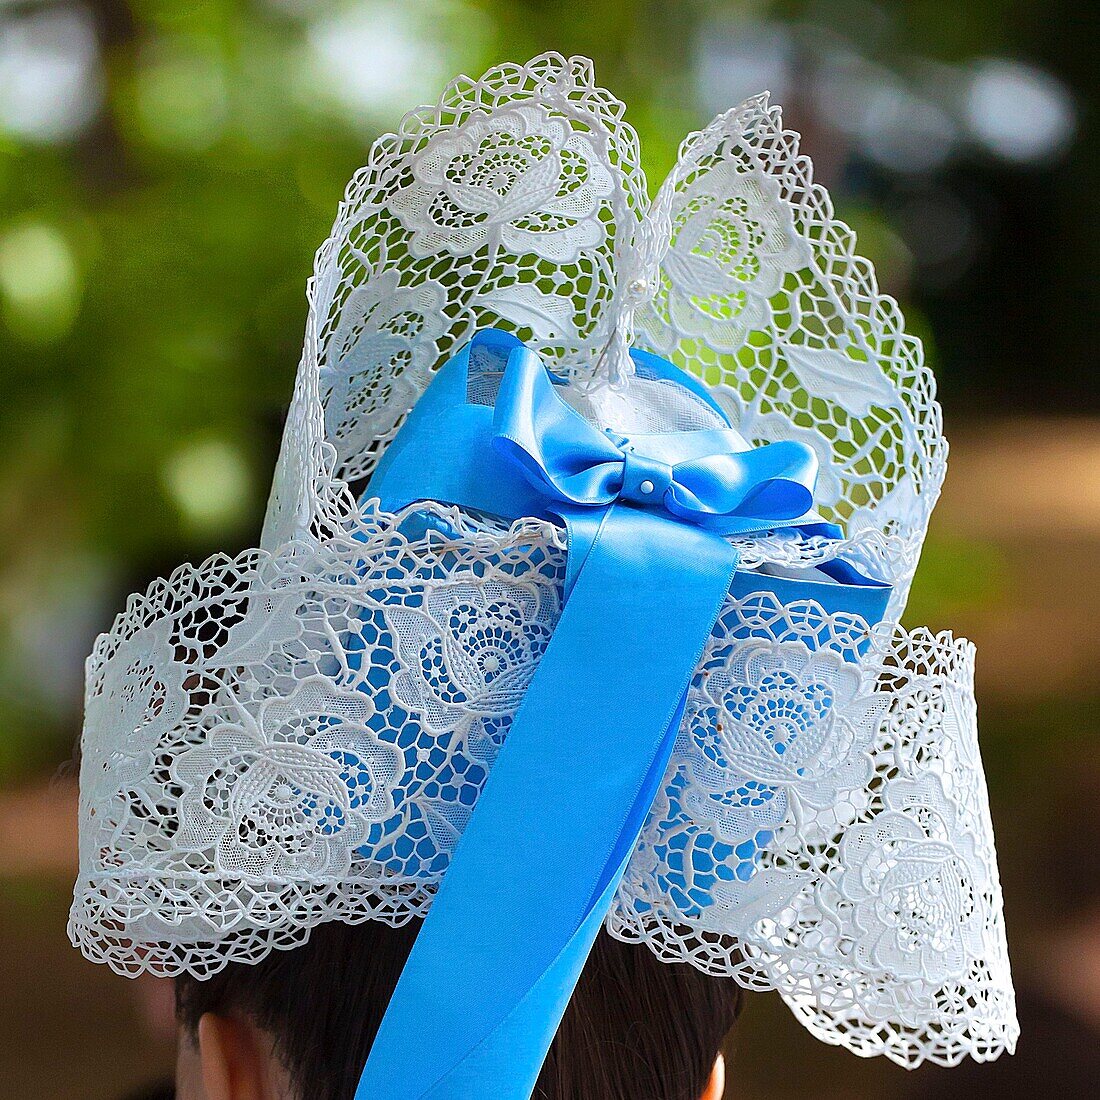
(711, 478)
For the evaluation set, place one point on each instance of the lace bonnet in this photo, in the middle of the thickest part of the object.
(300, 734)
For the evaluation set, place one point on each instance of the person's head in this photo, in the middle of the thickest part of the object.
(299, 1024)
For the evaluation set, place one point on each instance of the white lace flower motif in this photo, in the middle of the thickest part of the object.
(138, 699)
(520, 178)
(933, 723)
(771, 727)
(379, 358)
(733, 244)
(287, 793)
(468, 655)
(909, 887)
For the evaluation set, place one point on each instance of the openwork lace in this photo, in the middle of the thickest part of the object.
(299, 734)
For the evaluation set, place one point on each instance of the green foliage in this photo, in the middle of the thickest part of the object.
(956, 576)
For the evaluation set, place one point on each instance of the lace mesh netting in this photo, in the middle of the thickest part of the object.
(299, 734)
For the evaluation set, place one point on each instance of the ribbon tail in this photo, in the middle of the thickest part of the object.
(506, 1064)
(532, 1025)
(503, 945)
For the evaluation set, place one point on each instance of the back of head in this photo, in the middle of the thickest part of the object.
(636, 1028)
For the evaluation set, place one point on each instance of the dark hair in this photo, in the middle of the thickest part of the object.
(636, 1028)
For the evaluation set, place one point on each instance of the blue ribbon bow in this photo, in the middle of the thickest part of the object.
(648, 570)
(709, 478)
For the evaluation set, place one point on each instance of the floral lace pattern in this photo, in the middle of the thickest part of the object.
(518, 178)
(912, 888)
(468, 657)
(770, 729)
(380, 350)
(734, 242)
(290, 792)
(141, 692)
(823, 827)
(300, 734)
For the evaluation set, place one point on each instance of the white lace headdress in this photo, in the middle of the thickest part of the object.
(855, 875)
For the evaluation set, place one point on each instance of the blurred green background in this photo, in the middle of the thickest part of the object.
(167, 169)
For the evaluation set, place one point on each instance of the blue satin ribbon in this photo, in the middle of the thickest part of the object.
(710, 479)
(531, 879)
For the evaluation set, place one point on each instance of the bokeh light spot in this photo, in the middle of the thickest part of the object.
(181, 97)
(377, 56)
(210, 484)
(39, 282)
(1019, 112)
(49, 74)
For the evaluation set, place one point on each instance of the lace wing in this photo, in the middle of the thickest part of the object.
(744, 275)
(500, 205)
(854, 871)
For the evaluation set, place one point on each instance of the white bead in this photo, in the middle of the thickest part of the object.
(646, 488)
(637, 286)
